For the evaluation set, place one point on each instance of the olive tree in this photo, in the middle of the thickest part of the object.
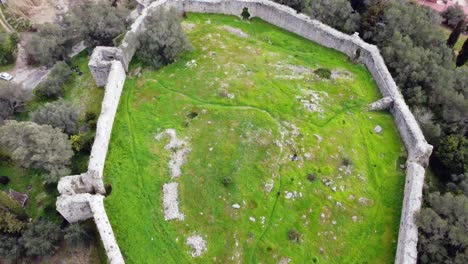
(58, 114)
(337, 13)
(37, 146)
(443, 228)
(297, 5)
(97, 22)
(453, 15)
(41, 238)
(49, 44)
(163, 40)
(13, 99)
(52, 86)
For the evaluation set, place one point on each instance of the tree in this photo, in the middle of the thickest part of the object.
(10, 247)
(59, 114)
(453, 15)
(35, 146)
(336, 13)
(453, 152)
(52, 86)
(41, 238)
(297, 5)
(9, 223)
(50, 44)
(76, 235)
(13, 99)
(97, 22)
(453, 38)
(463, 55)
(443, 229)
(163, 40)
(8, 47)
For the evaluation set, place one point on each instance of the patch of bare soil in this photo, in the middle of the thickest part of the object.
(39, 11)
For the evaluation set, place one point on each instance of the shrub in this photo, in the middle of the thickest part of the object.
(35, 146)
(52, 86)
(4, 180)
(164, 40)
(90, 116)
(311, 177)
(294, 235)
(13, 99)
(58, 114)
(323, 73)
(245, 13)
(227, 181)
(347, 161)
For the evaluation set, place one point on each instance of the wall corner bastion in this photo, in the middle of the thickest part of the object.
(81, 196)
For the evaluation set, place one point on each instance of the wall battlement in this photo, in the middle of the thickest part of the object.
(108, 65)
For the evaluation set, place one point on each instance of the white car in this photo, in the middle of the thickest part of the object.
(6, 76)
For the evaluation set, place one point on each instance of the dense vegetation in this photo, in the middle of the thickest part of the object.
(423, 65)
(95, 22)
(41, 139)
(232, 98)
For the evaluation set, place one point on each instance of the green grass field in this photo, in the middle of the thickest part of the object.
(240, 103)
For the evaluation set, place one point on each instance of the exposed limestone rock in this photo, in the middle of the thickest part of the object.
(236, 31)
(198, 245)
(171, 202)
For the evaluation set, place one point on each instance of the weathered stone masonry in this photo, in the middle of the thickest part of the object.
(81, 195)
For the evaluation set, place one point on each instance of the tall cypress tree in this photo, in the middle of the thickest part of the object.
(463, 55)
(453, 38)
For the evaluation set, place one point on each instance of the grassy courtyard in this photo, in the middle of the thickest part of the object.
(296, 151)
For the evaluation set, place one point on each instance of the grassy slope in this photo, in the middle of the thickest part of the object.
(81, 91)
(241, 133)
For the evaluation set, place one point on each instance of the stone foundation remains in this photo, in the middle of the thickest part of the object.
(78, 200)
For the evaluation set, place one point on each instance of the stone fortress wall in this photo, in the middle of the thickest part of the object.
(82, 195)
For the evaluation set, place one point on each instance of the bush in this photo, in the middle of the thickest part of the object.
(311, 177)
(83, 142)
(13, 99)
(227, 181)
(41, 238)
(294, 235)
(323, 73)
(35, 146)
(59, 114)
(164, 40)
(4, 180)
(245, 13)
(52, 87)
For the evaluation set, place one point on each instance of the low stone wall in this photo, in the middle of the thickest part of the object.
(108, 66)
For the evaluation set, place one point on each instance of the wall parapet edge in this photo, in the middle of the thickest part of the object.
(284, 17)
